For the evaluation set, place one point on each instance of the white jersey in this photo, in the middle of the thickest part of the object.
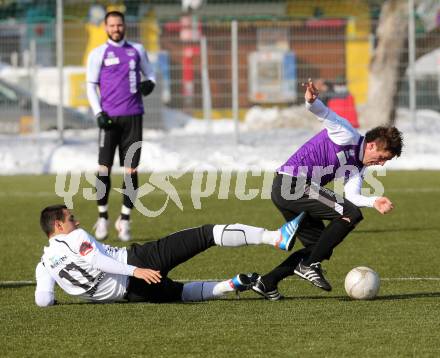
(83, 267)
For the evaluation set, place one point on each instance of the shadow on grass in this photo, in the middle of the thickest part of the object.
(407, 296)
(403, 229)
(404, 296)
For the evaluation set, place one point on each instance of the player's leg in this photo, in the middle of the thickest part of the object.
(208, 290)
(291, 197)
(239, 234)
(167, 253)
(108, 140)
(171, 291)
(129, 156)
(267, 285)
(335, 232)
(343, 215)
(172, 250)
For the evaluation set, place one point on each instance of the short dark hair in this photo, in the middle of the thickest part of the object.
(114, 14)
(48, 217)
(387, 138)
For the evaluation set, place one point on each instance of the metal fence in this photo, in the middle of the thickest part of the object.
(194, 60)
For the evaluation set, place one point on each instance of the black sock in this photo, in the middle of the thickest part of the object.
(331, 237)
(130, 197)
(284, 269)
(104, 215)
(103, 185)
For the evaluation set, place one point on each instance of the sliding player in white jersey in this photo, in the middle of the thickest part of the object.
(86, 268)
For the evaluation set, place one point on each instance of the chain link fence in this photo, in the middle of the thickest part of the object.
(280, 45)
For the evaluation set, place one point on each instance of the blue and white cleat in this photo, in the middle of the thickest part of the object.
(288, 233)
(244, 281)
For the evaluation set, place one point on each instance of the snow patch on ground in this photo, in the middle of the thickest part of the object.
(266, 139)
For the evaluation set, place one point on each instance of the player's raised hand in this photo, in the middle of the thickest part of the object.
(383, 205)
(148, 275)
(311, 91)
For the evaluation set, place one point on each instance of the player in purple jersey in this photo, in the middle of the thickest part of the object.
(337, 152)
(114, 90)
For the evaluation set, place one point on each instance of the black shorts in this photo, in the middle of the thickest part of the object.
(319, 203)
(164, 255)
(126, 131)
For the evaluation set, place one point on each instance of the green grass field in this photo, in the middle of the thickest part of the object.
(403, 247)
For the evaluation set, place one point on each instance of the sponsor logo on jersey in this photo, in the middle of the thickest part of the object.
(110, 54)
(130, 52)
(110, 250)
(93, 290)
(85, 248)
(132, 76)
(56, 261)
(111, 61)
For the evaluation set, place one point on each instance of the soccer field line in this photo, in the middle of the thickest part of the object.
(33, 283)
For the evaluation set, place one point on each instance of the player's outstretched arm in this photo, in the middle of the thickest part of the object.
(44, 292)
(339, 129)
(383, 205)
(148, 275)
(311, 93)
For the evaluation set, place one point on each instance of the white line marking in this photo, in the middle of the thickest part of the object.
(29, 283)
(410, 279)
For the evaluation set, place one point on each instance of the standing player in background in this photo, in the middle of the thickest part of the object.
(114, 90)
(337, 152)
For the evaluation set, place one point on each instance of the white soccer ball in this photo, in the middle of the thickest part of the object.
(362, 283)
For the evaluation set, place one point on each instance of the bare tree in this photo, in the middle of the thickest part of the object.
(390, 61)
(386, 66)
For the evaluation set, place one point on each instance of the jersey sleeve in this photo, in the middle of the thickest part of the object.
(94, 63)
(89, 250)
(145, 64)
(93, 97)
(352, 189)
(44, 292)
(339, 129)
(110, 265)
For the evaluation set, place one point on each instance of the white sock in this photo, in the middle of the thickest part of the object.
(238, 235)
(125, 210)
(102, 208)
(204, 290)
(224, 287)
(271, 237)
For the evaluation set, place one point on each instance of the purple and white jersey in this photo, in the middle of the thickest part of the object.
(335, 152)
(116, 68)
